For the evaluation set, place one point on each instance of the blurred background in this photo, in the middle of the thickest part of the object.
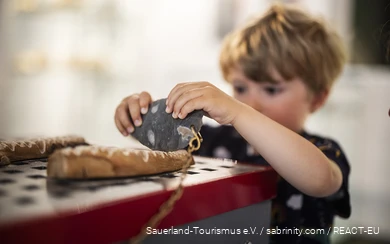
(66, 64)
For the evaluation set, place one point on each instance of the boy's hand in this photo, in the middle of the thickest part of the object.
(131, 107)
(187, 97)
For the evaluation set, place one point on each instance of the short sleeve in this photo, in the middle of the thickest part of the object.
(340, 201)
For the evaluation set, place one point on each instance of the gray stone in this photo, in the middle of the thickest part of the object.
(160, 131)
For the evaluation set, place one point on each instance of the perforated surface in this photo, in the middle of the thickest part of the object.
(26, 192)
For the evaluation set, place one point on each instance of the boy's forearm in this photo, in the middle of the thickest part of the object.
(297, 160)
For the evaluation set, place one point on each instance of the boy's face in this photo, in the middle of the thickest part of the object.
(288, 103)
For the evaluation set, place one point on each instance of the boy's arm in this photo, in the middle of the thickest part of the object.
(296, 159)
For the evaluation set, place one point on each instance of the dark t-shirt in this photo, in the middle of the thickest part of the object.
(291, 209)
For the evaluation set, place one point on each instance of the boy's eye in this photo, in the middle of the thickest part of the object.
(240, 89)
(272, 90)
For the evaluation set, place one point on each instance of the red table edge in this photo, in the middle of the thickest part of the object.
(114, 222)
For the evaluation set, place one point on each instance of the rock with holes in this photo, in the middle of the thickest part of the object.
(160, 131)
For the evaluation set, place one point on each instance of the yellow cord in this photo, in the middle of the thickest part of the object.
(167, 206)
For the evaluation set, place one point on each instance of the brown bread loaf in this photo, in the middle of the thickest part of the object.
(11, 151)
(85, 162)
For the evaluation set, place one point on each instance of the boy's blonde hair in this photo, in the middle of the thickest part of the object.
(289, 41)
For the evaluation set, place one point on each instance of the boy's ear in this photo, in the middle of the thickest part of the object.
(319, 100)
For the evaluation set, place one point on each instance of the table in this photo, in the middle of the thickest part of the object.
(220, 199)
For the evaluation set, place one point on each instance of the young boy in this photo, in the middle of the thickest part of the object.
(282, 67)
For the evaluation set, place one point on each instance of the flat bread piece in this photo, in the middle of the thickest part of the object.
(91, 162)
(34, 148)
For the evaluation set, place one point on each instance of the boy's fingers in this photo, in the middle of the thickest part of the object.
(120, 127)
(144, 100)
(184, 98)
(191, 105)
(122, 118)
(134, 110)
(172, 96)
(178, 90)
